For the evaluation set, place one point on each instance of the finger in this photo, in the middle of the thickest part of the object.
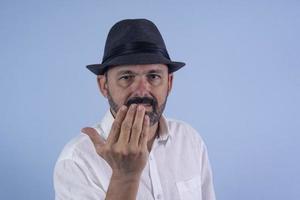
(145, 132)
(127, 124)
(137, 125)
(94, 136)
(116, 126)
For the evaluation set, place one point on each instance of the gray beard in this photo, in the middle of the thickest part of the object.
(154, 115)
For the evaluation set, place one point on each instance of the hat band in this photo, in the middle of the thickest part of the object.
(135, 47)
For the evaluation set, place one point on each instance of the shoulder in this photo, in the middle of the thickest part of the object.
(183, 131)
(71, 151)
(80, 147)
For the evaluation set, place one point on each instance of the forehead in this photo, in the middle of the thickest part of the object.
(138, 68)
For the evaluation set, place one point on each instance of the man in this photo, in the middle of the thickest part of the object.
(135, 152)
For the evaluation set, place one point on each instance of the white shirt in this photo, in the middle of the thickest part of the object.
(177, 169)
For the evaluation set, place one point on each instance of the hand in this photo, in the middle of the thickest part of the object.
(125, 149)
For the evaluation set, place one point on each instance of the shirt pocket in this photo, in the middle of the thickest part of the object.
(190, 189)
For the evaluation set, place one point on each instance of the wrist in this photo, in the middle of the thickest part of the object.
(123, 186)
(126, 177)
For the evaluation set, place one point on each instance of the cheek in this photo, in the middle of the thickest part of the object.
(161, 95)
(119, 96)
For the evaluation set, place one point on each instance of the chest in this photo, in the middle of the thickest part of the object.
(171, 174)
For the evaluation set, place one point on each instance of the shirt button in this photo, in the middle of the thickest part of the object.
(158, 196)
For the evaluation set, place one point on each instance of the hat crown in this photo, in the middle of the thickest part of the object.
(134, 42)
(130, 31)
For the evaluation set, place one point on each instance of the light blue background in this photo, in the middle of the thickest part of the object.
(239, 89)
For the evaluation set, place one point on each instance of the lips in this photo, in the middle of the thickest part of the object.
(145, 104)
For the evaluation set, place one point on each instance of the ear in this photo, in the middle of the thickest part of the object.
(170, 82)
(102, 84)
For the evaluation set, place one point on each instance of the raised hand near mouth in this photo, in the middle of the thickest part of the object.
(125, 150)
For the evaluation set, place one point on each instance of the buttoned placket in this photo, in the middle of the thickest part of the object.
(155, 179)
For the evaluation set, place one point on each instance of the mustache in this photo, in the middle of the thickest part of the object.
(141, 100)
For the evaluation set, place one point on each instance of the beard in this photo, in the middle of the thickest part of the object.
(154, 115)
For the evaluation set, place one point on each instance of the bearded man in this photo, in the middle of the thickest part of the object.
(135, 152)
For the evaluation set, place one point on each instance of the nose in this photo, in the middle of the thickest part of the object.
(141, 87)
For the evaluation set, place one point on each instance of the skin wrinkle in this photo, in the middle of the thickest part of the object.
(149, 98)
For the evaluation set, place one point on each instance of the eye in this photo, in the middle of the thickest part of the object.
(153, 76)
(126, 77)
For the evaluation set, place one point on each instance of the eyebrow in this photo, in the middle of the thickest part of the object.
(122, 72)
(158, 71)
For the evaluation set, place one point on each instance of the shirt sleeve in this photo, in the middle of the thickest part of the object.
(72, 182)
(206, 176)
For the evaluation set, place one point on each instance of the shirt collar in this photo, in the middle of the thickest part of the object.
(108, 119)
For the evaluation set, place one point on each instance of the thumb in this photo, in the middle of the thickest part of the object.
(94, 136)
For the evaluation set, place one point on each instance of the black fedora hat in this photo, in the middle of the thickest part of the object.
(134, 41)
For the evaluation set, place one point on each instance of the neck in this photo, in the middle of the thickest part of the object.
(153, 132)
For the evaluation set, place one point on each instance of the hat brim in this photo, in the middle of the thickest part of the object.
(135, 59)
